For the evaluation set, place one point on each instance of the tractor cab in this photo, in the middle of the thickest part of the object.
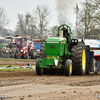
(64, 31)
(19, 41)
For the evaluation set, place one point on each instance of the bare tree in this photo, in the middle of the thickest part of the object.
(4, 21)
(20, 27)
(43, 18)
(30, 22)
(52, 32)
(26, 25)
(34, 24)
(89, 16)
(95, 7)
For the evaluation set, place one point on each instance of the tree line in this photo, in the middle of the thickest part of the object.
(33, 24)
(36, 23)
(88, 17)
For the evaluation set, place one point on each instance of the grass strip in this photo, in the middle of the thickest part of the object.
(13, 65)
(18, 69)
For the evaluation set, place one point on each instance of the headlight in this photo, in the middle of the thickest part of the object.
(21, 50)
(7, 51)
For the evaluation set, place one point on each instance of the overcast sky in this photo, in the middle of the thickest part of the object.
(13, 7)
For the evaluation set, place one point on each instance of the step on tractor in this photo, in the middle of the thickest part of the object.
(63, 54)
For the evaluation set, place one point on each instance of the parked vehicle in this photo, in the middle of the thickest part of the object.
(28, 50)
(20, 47)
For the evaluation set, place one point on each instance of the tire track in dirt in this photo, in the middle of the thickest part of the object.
(23, 77)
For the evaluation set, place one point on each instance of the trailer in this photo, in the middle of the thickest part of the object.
(94, 48)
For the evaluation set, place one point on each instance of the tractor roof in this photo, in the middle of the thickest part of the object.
(56, 39)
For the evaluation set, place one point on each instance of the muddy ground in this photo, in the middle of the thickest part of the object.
(26, 85)
(16, 62)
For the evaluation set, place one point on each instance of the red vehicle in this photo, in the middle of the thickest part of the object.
(28, 50)
(20, 47)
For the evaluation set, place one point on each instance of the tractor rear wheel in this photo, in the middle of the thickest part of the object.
(15, 50)
(78, 57)
(39, 70)
(16, 53)
(68, 67)
(11, 45)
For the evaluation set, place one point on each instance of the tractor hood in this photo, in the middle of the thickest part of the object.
(56, 39)
(55, 46)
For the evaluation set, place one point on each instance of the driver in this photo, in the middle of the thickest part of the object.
(65, 33)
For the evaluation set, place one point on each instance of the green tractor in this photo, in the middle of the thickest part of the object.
(62, 54)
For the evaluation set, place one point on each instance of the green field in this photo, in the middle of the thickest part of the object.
(12, 65)
(3, 44)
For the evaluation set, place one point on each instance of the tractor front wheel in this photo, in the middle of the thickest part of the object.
(39, 70)
(68, 67)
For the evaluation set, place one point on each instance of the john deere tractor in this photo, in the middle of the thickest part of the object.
(62, 54)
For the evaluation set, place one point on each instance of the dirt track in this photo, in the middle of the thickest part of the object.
(26, 85)
(16, 62)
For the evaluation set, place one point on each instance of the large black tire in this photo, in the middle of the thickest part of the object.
(68, 67)
(43, 55)
(16, 53)
(3, 52)
(78, 57)
(33, 54)
(11, 45)
(15, 50)
(0, 51)
(39, 71)
(42, 51)
(13, 53)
